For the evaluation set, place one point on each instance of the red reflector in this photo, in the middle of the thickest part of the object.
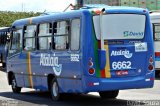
(91, 71)
(151, 60)
(90, 84)
(122, 72)
(152, 79)
(150, 67)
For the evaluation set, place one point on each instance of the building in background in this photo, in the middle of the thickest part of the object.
(149, 4)
(108, 2)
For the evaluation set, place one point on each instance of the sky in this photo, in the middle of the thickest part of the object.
(35, 5)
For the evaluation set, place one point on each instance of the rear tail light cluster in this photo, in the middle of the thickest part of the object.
(91, 70)
(151, 67)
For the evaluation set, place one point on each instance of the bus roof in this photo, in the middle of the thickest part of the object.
(75, 13)
(4, 28)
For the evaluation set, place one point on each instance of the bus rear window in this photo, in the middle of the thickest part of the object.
(120, 26)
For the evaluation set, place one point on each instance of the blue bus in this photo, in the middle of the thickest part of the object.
(4, 33)
(94, 49)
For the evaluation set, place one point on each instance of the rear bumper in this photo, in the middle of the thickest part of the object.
(93, 84)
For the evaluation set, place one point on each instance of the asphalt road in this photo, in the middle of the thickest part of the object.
(30, 97)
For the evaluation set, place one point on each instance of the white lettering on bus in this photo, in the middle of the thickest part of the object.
(52, 61)
(125, 53)
(75, 57)
(121, 65)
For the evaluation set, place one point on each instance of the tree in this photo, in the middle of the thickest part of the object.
(8, 17)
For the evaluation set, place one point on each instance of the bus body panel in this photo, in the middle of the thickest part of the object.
(31, 69)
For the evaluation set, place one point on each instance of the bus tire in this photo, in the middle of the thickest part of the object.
(1, 58)
(15, 88)
(4, 65)
(54, 90)
(157, 73)
(109, 94)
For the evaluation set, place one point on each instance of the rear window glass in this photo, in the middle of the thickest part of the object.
(120, 26)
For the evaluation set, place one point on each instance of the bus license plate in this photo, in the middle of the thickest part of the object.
(121, 72)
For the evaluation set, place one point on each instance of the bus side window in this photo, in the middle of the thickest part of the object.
(0, 39)
(75, 34)
(29, 37)
(3, 38)
(16, 41)
(61, 33)
(45, 36)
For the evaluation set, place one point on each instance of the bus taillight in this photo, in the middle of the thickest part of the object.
(150, 67)
(91, 71)
(151, 60)
(152, 79)
(90, 63)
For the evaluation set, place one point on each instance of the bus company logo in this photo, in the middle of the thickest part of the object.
(51, 61)
(125, 53)
(133, 34)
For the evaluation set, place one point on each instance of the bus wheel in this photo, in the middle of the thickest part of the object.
(55, 90)
(15, 88)
(109, 94)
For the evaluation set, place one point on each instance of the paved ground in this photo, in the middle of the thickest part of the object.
(35, 98)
